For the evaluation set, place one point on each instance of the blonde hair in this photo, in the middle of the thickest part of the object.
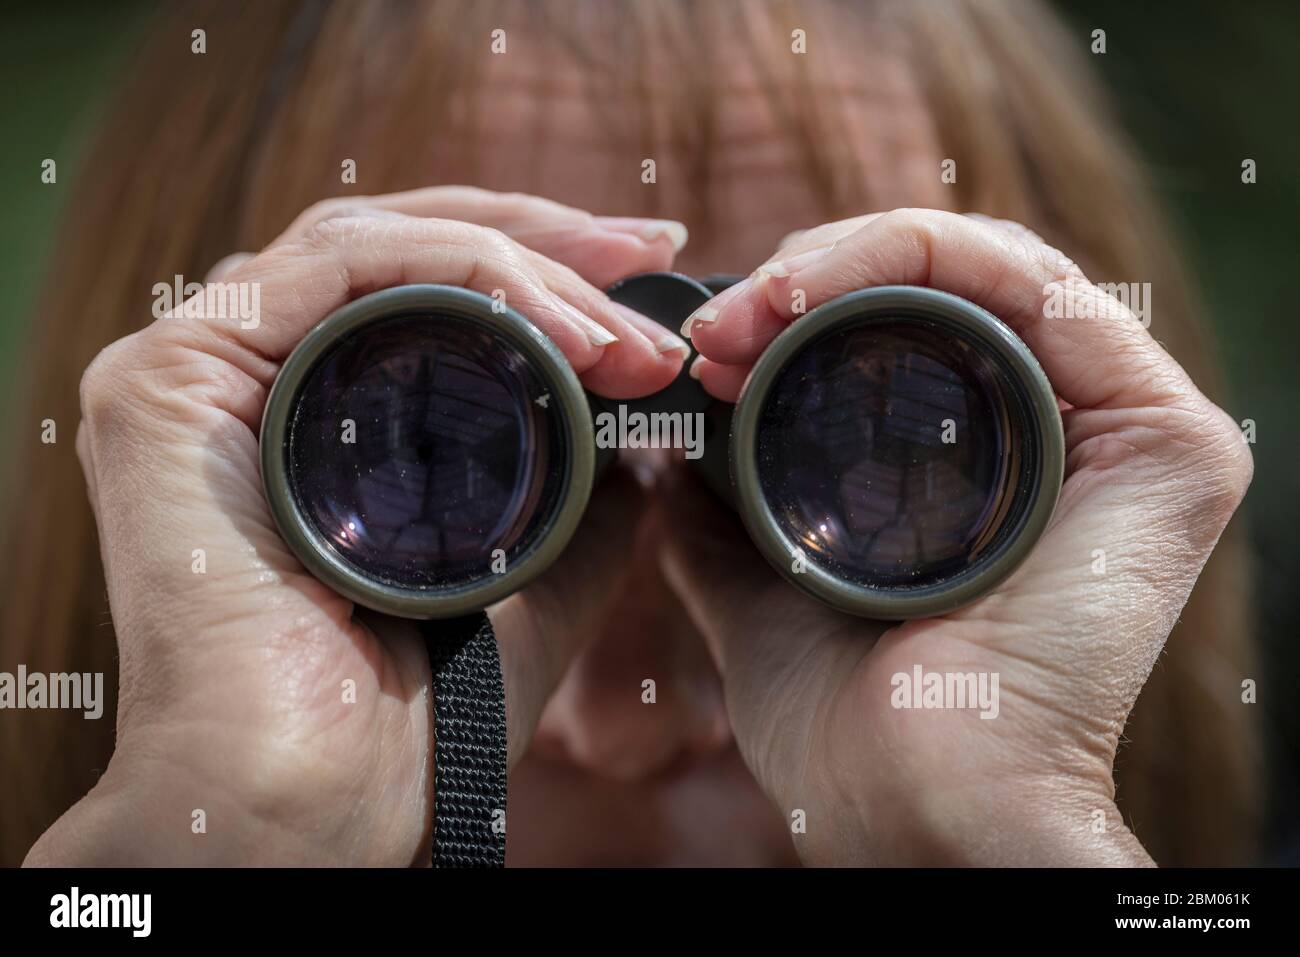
(202, 156)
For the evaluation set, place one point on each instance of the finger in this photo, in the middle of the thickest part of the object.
(571, 249)
(600, 255)
(820, 236)
(1106, 361)
(600, 249)
(721, 381)
(734, 341)
(667, 233)
(748, 319)
(647, 357)
(299, 283)
(543, 628)
(1018, 229)
(666, 341)
(225, 266)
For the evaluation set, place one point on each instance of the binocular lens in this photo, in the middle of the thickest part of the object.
(427, 451)
(895, 453)
(891, 453)
(417, 451)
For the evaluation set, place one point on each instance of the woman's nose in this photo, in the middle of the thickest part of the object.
(644, 696)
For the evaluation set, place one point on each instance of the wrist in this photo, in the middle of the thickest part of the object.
(1045, 823)
(148, 813)
(97, 831)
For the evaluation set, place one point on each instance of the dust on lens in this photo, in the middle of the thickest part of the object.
(418, 451)
(895, 454)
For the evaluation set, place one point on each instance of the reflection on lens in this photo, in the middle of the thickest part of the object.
(449, 457)
(895, 454)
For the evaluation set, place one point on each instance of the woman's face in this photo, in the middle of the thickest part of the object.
(610, 778)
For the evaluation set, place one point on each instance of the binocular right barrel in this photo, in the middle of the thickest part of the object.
(895, 453)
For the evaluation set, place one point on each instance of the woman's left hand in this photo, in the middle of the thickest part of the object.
(1154, 471)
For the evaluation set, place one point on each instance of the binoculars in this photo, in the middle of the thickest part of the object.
(896, 452)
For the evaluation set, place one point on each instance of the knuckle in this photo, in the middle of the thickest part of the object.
(543, 208)
(1053, 262)
(493, 243)
(464, 193)
(1020, 229)
(334, 208)
(909, 219)
(99, 386)
(82, 445)
(154, 374)
(1052, 266)
(1213, 465)
(1230, 467)
(517, 198)
(1013, 228)
(338, 230)
(497, 241)
(919, 232)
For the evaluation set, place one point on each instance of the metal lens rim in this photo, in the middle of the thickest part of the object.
(892, 304)
(567, 400)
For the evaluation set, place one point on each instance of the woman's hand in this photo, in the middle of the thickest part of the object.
(233, 671)
(1153, 473)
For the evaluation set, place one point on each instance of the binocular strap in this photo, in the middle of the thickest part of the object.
(469, 728)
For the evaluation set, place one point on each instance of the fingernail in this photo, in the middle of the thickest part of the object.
(670, 344)
(648, 230)
(785, 267)
(709, 311)
(694, 370)
(597, 334)
(702, 314)
(675, 231)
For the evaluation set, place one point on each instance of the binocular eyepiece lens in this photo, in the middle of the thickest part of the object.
(417, 450)
(892, 453)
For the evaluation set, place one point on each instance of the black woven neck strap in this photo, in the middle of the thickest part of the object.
(469, 754)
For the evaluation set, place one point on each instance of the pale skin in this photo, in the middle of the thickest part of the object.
(231, 681)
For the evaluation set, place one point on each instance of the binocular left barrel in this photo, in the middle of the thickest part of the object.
(427, 452)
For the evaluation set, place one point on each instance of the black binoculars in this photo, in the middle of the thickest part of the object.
(896, 452)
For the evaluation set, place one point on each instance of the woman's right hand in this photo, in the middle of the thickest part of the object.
(231, 679)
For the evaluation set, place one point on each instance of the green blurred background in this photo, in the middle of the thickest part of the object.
(1200, 87)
